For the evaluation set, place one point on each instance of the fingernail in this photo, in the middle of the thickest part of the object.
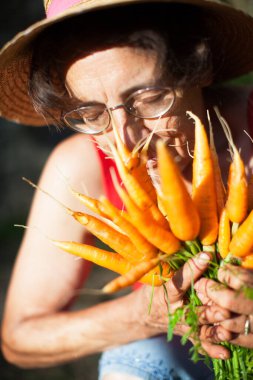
(201, 297)
(221, 336)
(203, 259)
(222, 356)
(219, 316)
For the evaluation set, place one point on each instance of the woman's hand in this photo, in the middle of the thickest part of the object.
(231, 294)
(209, 333)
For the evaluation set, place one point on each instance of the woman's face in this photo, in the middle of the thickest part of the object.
(110, 76)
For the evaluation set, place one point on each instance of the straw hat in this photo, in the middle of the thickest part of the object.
(228, 28)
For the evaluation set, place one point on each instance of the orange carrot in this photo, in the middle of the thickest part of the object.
(154, 233)
(138, 194)
(180, 209)
(109, 260)
(224, 234)
(108, 235)
(237, 201)
(161, 206)
(242, 242)
(247, 262)
(131, 276)
(131, 160)
(114, 239)
(106, 259)
(163, 269)
(219, 185)
(203, 186)
(154, 278)
(91, 203)
(140, 173)
(146, 249)
(135, 164)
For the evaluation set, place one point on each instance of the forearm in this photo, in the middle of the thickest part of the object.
(52, 339)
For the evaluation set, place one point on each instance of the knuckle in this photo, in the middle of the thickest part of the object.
(215, 334)
(233, 324)
(202, 315)
(237, 324)
(217, 314)
(227, 302)
(234, 276)
(174, 291)
(207, 333)
(207, 314)
(225, 277)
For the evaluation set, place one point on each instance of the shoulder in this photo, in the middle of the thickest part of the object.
(76, 159)
(76, 149)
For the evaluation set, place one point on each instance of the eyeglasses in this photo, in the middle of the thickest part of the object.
(147, 103)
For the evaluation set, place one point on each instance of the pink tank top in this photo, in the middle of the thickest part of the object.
(107, 164)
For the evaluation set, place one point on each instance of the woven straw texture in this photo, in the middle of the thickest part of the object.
(231, 37)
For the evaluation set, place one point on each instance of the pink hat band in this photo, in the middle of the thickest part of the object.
(55, 7)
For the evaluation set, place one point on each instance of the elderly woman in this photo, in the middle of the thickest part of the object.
(135, 62)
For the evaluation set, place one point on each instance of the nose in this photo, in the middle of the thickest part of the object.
(130, 127)
(119, 116)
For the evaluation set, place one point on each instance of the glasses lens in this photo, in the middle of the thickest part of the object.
(150, 103)
(91, 119)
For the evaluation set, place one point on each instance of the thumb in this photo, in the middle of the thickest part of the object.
(190, 272)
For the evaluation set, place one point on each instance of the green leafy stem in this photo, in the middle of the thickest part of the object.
(240, 364)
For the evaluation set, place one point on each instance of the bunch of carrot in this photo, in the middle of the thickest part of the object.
(170, 211)
(138, 253)
(160, 223)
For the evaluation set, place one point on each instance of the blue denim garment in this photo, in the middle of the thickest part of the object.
(153, 359)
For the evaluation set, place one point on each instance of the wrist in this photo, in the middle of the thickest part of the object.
(149, 311)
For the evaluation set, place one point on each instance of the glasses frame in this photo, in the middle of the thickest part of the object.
(122, 105)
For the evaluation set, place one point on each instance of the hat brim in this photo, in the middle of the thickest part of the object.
(231, 38)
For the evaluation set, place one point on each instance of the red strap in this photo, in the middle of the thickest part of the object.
(108, 164)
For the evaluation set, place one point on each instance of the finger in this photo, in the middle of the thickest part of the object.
(215, 351)
(214, 334)
(236, 324)
(201, 292)
(232, 300)
(235, 277)
(204, 299)
(243, 340)
(189, 273)
(212, 314)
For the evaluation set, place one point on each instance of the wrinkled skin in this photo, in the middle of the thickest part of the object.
(229, 294)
